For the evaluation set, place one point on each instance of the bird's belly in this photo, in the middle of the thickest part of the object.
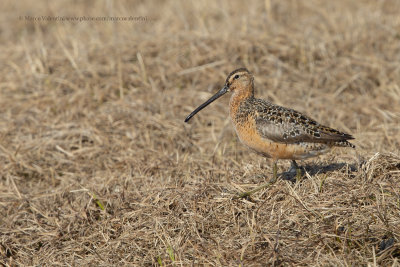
(250, 137)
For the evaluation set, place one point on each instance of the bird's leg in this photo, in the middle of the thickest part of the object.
(261, 187)
(275, 170)
(294, 168)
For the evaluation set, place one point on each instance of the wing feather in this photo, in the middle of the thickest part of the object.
(289, 126)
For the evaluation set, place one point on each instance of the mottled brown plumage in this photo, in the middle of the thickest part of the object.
(271, 130)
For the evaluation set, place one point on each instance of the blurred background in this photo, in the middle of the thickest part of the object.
(97, 166)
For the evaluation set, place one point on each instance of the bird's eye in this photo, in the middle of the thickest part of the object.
(236, 77)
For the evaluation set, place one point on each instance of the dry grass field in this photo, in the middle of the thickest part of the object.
(97, 167)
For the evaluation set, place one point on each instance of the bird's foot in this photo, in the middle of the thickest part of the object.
(261, 187)
(294, 173)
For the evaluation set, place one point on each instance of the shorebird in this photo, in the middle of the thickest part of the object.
(274, 131)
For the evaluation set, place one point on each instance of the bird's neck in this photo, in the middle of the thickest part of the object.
(238, 97)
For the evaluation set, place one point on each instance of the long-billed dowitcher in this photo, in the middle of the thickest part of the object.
(273, 131)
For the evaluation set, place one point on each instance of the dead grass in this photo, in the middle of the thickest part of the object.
(98, 168)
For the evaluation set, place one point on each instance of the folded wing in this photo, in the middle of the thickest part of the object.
(289, 126)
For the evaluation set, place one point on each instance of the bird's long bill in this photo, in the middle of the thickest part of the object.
(205, 104)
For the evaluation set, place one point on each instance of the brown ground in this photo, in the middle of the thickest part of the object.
(98, 168)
